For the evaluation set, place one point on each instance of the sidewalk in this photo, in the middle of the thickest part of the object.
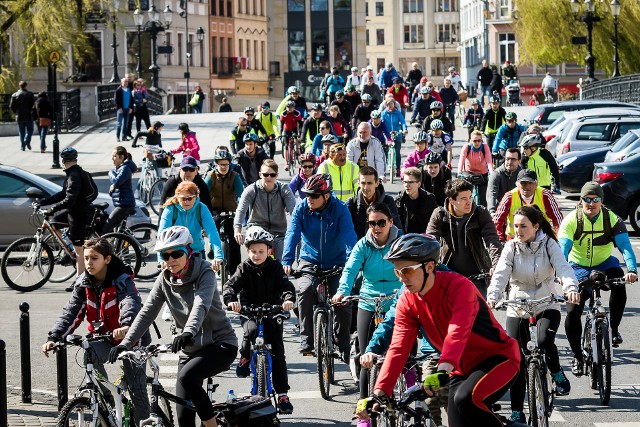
(41, 413)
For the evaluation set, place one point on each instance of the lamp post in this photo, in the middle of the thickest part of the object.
(138, 20)
(615, 11)
(588, 18)
(153, 26)
(114, 44)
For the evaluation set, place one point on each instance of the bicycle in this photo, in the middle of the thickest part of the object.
(221, 219)
(393, 412)
(540, 387)
(145, 235)
(98, 402)
(150, 185)
(29, 262)
(391, 154)
(596, 336)
(291, 151)
(476, 180)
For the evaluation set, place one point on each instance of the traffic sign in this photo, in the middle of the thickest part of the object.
(54, 56)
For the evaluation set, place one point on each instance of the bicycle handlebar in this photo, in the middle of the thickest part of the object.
(265, 310)
(597, 280)
(529, 304)
(77, 340)
(317, 273)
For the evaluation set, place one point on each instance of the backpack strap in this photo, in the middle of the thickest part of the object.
(174, 215)
(606, 223)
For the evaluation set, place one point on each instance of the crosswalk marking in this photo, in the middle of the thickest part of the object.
(620, 424)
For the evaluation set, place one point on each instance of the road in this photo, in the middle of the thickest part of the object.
(581, 408)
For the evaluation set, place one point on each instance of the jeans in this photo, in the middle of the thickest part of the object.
(25, 129)
(484, 91)
(197, 109)
(122, 121)
(43, 136)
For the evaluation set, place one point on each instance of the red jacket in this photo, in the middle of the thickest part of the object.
(189, 142)
(458, 323)
(401, 96)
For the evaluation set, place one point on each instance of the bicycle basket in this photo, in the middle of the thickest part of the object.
(163, 160)
(150, 151)
(251, 411)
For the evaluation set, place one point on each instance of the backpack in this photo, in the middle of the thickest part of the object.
(89, 188)
(481, 151)
(606, 224)
(174, 215)
(255, 194)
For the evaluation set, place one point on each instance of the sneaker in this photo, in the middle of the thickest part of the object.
(563, 386)
(305, 348)
(577, 367)
(518, 416)
(118, 139)
(616, 339)
(286, 168)
(243, 370)
(284, 406)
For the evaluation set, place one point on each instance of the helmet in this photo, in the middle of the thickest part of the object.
(257, 234)
(433, 158)
(339, 94)
(414, 247)
(424, 80)
(531, 140)
(307, 157)
(293, 89)
(389, 64)
(436, 105)
(183, 127)
(366, 97)
(420, 136)
(425, 89)
(452, 69)
(222, 155)
(494, 99)
(291, 104)
(351, 88)
(319, 183)
(511, 116)
(329, 138)
(437, 124)
(173, 237)
(316, 106)
(69, 154)
(475, 101)
(375, 114)
(250, 137)
(249, 109)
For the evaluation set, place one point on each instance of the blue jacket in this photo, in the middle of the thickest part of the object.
(327, 236)
(122, 195)
(189, 219)
(507, 137)
(422, 108)
(378, 276)
(386, 78)
(335, 83)
(393, 120)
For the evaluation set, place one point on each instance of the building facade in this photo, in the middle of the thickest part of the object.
(252, 47)
(222, 47)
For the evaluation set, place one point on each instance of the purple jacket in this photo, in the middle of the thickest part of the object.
(380, 132)
(414, 157)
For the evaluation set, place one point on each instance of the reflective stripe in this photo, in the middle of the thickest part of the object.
(516, 202)
(91, 304)
(110, 304)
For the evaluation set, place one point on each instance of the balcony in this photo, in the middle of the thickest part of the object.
(225, 67)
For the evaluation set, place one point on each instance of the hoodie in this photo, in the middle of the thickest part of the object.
(259, 284)
(195, 225)
(122, 195)
(358, 210)
(266, 209)
(189, 142)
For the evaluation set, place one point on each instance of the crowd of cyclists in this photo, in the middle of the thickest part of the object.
(450, 245)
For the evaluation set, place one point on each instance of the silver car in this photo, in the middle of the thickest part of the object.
(15, 207)
(628, 145)
(582, 135)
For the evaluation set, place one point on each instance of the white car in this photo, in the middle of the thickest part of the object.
(595, 132)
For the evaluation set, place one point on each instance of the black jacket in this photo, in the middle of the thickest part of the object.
(414, 77)
(243, 159)
(42, 109)
(358, 210)
(119, 97)
(169, 190)
(416, 221)
(259, 284)
(153, 138)
(361, 114)
(257, 126)
(485, 75)
(496, 82)
(70, 198)
(448, 127)
(225, 107)
(21, 104)
(435, 185)
(346, 110)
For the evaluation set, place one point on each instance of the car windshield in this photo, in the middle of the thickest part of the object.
(558, 121)
(48, 186)
(628, 139)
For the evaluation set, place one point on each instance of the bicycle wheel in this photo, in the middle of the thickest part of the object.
(146, 234)
(323, 354)
(537, 398)
(126, 248)
(77, 412)
(224, 268)
(603, 343)
(290, 158)
(391, 162)
(65, 266)
(373, 377)
(26, 266)
(589, 366)
(261, 375)
(155, 195)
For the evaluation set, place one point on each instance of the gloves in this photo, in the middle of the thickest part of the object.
(181, 341)
(438, 380)
(115, 351)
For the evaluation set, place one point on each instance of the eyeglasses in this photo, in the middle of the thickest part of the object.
(242, 124)
(189, 169)
(175, 255)
(511, 159)
(323, 127)
(269, 175)
(592, 199)
(314, 196)
(407, 271)
(410, 182)
(248, 114)
(379, 223)
(187, 198)
(308, 166)
(223, 165)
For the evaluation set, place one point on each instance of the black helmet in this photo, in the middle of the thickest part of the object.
(494, 98)
(222, 155)
(432, 158)
(317, 184)
(69, 154)
(183, 127)
(414, 247)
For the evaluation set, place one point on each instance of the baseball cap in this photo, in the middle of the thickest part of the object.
(188, 162)
(354, 69)
(158, 125)
(591, 187)
(369, 67)
(527, 175)
(266, 104)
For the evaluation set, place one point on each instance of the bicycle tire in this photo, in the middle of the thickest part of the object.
(146, 235)
(391, 161)
(62, 273)
(589, 366)
(373, 377)
(536, 396)
(261, 375)
(603, 343)
(33, 283)
(224, 268)
(126, 248)
(76, 406)
(322, 354)
(290, 158)
(155, 194)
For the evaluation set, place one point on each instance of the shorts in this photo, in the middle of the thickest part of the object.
(77, 224)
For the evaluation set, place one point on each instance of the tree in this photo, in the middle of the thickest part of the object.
(544, 29)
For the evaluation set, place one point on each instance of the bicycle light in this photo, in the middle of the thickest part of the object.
(259, 341)
(531, 345)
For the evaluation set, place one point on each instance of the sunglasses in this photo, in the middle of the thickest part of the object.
(249, 114)
(187, 198)
(380, 223)
(269, 175)
(592, 199)
(308, 166)
(410, 182)
(175, 255)
(314, 196)
(407, 271)
(336, 150)
(189, 169)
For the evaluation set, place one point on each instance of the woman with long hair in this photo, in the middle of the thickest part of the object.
(121, 189)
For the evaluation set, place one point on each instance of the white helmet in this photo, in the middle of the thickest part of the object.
(257, 234)
(173, 237)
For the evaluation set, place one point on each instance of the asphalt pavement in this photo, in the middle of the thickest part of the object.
(581, 408)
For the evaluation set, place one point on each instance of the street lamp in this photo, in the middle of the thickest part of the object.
(588, 18)
(114, 45)
(187, 74)
(153, 26)
(138, 20)
(615, 11)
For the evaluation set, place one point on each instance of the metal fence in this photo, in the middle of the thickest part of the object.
(624, 89)
(107, 105)
(68, 109)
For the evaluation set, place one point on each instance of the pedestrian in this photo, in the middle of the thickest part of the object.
(140, 100)
(121, 190)
(124, 106)
(196, 100)
(131, 79)
(484, 78)
(21, 104)
(42, 113)
(496, 83)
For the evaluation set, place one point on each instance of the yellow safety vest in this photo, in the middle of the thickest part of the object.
(344, 179)
(516, 202)
(541, 168)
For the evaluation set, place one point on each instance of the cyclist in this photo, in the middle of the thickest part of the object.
(493, 118)
(456, 80)
(346, 110)
(225, 189)
(527, 192)
(400, 94)
(260, 280)
(415, 205)
(379, 130)
(388, 97)
(434, 92)
(367, 257)
(311, 126)
(327, 141)
(385, 80)
(467, 234)
(250, 158)
(436, 114)
(293, 95)
(473, 116)
(189, 145)
(269, 122)
(325, 129)
(450, 98)
(290, 122)
(340, 124)
(343, 173)
(422, 106)
(307, 169)
(478, 359)
(394, 121)
(121, 191)
(414, 76)
(323, 247)
(188, 172)
(106, 297)
(503, 179)
(372, 89)
(435, 175)
(508, 134)
(549, 86)
(265, 203)
(367, 150)
(188, 287)
(362, 112)
(256, 125)
(335, 83)
(236, 136)
(415, 94)
(587, 236)
(475, 159)
(354, 79)
(352, 97)
(530, 264)
(439, 141)
(420, 140)
(533, 159)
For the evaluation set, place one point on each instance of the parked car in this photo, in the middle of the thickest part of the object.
(15, 206)
(621, 184)
(584, 134)
(546, 114)
(627, 145)
(576, 167)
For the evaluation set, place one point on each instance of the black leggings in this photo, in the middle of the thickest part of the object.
(365, 331)
(573, 322)
(192, 371)
(518, 328)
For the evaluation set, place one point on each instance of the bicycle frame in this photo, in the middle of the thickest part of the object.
(596, 314)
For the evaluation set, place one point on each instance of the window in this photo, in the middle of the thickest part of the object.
(214, 55)
(255, 7)
(505, 8)
(319, 50)
(240, 47)
(595, 132)
(343, 47)
(341, 5)
(248, 53)
(413, 34)
(319, 5)
(91, 65)
(222, 47)
(213, 8)
(366, 9)
(274, 69)
(180, 49)
(190, 50)
(263, 55)
(133, 4)
(229, 9)
(132, 53)
(380, 36)
(297, 50)
(12, 187)
(447, 33)
(507, 45)
(201, 49)
(246, 6)
(380, 63)
(366, 33)
(413, 6)
(439, 66)
(379, 8)
(295, 5)
(623, 128)
(255, 55)
(230, 47)
(446, 6)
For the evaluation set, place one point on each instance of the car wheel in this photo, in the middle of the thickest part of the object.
(634, 216)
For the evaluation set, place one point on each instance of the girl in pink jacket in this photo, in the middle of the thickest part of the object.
(189, 145)
(421, 151)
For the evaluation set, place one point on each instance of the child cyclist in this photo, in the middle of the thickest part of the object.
(258, 280)
(440, 142)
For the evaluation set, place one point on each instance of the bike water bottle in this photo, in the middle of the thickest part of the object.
(126, 419)
(67, 241)
(231, 396)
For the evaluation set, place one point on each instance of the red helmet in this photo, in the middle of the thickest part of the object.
(424, 80)
(317, 184)
(307, 157)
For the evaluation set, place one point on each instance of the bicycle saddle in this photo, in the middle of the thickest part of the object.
(101, 206)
